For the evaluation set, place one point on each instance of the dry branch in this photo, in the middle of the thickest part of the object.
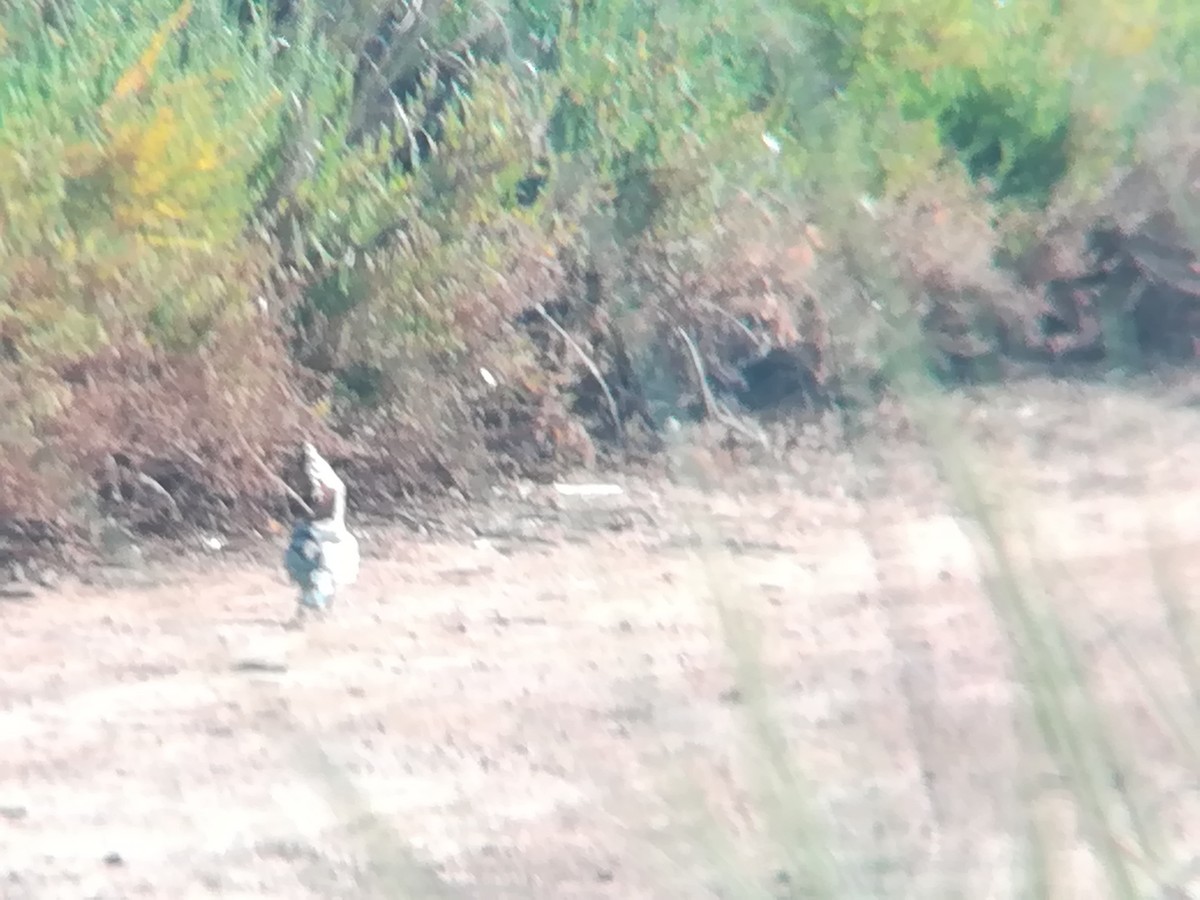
(162, 493)
(592, 367)
(274, 477)
(712, 408)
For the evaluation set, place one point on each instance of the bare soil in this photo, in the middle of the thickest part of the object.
(546, 701)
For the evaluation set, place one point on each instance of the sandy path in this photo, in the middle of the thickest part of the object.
(512, 719)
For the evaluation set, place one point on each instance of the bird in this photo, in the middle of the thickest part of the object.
(322, 555)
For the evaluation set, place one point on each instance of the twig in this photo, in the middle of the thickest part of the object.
(759, 342)
(712, 408)
(706, 394)
(283, 484)
(159, 491)
(592, 367)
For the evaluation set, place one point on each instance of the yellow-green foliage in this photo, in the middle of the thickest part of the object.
(672, 105)
(1023, 93)
(164, 161)
(161, 162)
(124, 180)
(465, 251)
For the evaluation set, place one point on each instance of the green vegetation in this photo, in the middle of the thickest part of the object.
(311, 213)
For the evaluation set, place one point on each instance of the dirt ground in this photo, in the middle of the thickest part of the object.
(544, 699)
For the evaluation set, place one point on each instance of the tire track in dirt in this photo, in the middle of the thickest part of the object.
(509, 722)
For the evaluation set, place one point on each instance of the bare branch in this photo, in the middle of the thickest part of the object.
(279, 481)
(592, 367)
(162, 493)
(712, 408)
(758, 340)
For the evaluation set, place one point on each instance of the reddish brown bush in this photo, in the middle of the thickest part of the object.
(186, 438)
(1116, 265)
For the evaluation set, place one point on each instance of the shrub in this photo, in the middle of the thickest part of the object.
(172, 171)
(407, 195)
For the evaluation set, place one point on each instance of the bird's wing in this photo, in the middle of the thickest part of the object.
(342, 558)
(339, 551)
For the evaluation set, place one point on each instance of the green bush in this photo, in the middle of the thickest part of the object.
(126, 149)
(162, 164)
(1023, 94)
(399, 188)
